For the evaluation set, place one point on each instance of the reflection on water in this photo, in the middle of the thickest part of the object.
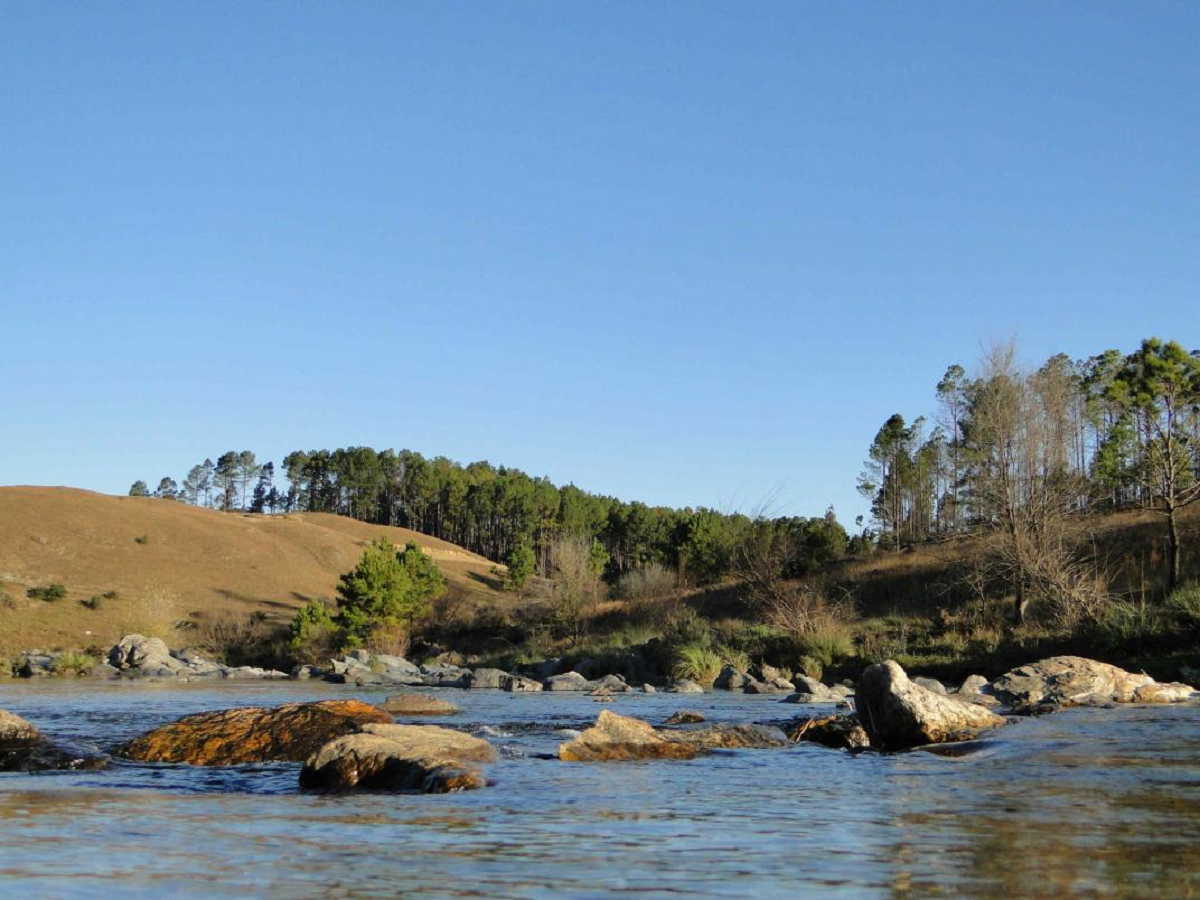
(1087, 802)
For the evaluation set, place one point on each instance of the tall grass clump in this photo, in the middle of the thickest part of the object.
(697, 662)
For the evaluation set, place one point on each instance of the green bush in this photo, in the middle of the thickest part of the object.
(142, 539)
(697, 662)
(93, 602)
(1184, 605)
(387, 588)
(50, 594)
(313, 634)
(72, 662)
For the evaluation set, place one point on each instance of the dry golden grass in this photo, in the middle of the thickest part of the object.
(193, 563)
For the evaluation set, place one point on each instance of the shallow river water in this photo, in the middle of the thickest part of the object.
(1086, 802)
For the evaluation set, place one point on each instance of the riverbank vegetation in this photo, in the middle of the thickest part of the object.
(1038, 509)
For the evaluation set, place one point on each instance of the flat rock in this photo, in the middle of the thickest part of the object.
(732, 737)
(420, 758)
(842, 732)
(1067, 681)
(1170, 692)
(417, 705)
(253, 733)
(897, 713)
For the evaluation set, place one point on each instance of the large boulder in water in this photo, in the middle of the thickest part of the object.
(144, 654)
(14, 729)
(423, 758)
(897, 713)
(615, 737)
(1067, 681)
(252, 734)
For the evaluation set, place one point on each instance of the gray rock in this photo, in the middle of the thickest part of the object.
(136, 651)
(973, 684)
(103, 671)
(492, 679)
(649, 689)
(1066, 681)
(898, 713)
(303, 673)
(613, 683)
(685, 686)
(569, 681)
(445, 675)
(395, 665)
(802, 697)
(732, 679)
(519, 684)
(931, 684)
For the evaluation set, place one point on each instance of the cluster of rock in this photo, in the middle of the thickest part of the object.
(800, 688)
(364, 668)
(135, 656)
(342, 743)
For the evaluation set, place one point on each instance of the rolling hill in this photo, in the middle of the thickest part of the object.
(168, 561)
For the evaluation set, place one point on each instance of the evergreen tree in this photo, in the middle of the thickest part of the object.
(264, 491)
(1159, 387)
(139, 489)
(167, 489)
(225, 479)
(387, 589)
(520, 566)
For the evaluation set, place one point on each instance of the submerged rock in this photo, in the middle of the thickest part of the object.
(897, 713)
(685, 717)
(840, 732)
(417, 705)
(616, 737)
(1067, 681)
(25, 749)
(423, 758)
(252, 734)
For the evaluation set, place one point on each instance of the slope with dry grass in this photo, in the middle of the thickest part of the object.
(169, 562)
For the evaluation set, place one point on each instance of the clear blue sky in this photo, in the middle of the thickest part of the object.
(690, 253)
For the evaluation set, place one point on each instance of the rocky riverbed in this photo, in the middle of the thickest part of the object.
(1091, 799)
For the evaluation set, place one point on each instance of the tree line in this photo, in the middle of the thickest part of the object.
(496, 511)
(1021, 450)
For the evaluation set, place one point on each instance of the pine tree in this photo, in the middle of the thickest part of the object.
(139, 489)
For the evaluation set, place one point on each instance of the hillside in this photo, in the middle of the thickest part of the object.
(169, 561)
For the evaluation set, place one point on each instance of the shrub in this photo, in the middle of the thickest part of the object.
(812, 667)
(142, 539)
(234, 639)
(313, 635)
(647, 583)
(1184, 606)
(93, 602)
(111, 595)
(1127, 624)
(72, 662)
(50, 594)
(697, 662)
(828, 645)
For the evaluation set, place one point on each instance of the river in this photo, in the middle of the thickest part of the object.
(1092, 802)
